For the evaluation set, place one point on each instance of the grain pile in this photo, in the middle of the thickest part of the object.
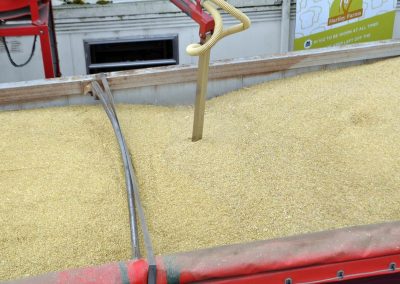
(62, 190)
(309, 153)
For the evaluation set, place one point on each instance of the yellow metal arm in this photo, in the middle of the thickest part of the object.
(203, 51)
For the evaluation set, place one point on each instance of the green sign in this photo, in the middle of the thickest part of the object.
(339, 22)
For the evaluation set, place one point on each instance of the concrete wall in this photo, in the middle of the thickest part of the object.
(74, 24)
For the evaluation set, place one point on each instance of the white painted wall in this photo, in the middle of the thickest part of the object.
(141, 18)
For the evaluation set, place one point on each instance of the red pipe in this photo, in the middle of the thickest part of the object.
(345, 256)
(9, 5)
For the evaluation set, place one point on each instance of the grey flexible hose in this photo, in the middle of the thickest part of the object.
(13, 63)
(130, 180)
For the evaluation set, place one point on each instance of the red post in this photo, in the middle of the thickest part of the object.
(35, 12)
(46, 52)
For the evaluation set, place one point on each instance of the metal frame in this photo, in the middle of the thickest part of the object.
(41, 25)
(89, 42)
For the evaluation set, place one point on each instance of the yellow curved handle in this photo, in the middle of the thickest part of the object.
(196, 49)
(219, 33)
(245, 21)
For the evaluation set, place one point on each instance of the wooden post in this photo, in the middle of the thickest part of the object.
(201, 95)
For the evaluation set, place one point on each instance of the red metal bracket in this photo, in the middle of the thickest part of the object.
(195, 11)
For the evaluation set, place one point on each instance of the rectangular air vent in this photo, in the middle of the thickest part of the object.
(131, 53)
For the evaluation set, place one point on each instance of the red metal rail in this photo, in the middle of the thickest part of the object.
(364, 254)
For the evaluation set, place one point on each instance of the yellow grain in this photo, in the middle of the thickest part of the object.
(308, 153)
(62, 192)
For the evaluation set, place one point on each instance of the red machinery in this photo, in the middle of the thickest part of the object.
(195, 11)
(31, 18)
(39, 12)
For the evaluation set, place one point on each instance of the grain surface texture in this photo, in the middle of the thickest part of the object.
(63, 201)
(304, 154)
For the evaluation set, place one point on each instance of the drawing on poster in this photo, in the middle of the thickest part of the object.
(344, 10)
